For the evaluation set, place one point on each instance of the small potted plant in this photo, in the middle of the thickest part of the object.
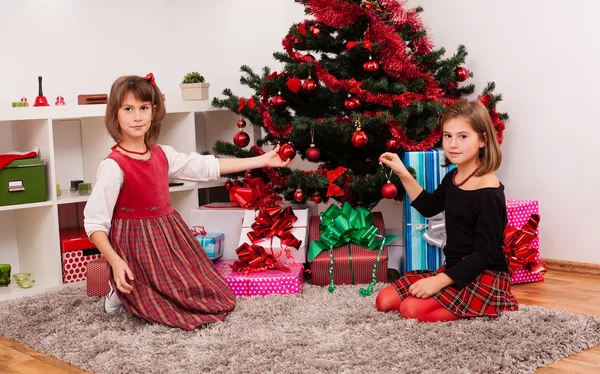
(193, 87)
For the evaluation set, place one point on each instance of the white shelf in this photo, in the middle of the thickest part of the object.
(95, 110)
(25, 206)
(74, 141)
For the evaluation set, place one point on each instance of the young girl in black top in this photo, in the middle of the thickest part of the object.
(474, 281)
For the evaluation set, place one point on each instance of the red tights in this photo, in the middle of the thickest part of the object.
(423, 310)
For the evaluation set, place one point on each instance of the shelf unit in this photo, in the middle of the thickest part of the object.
(73, 141)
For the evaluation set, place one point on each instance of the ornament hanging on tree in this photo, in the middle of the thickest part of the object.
(371, 65)
(359, 138)
(315, 30)
(294, 84)
(312, 153)
(298, 195)
(389, 190)
(462, 74)
(228, 184)
(287, 152)
(241, 123)
(352, 103)
(392, 145)
(241, 139)
(248, 175)
(278, 102)
(316, 198)
(309, 84)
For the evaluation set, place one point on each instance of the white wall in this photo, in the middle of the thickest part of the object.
(543, 56)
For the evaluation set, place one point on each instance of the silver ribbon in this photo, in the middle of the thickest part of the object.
(435, 230)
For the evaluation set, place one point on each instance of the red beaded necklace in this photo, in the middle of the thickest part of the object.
(128, 151)
(466, 179)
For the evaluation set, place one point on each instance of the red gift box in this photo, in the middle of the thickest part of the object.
(98, 275)
(518, 213)
(77, 252)
(352, 264)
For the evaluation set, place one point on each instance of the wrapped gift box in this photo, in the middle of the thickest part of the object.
(221, 217)
(518, 213)
(262, 283)
(212, 244)
(429, 174)
(77, 251)
(98, 275)
(352, 264)
(273, 244)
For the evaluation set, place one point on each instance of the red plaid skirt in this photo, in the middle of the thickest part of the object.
(175, 283)
(487, 295)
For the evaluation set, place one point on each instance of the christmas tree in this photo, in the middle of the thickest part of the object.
(360, 78)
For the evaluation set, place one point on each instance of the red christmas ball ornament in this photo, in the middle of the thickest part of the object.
(298, 195)
(228, 184)
(371, 66)
(278, 102)
(359, 139)
(241, 139)
(392, 145)
(286, 152)
(462, 74)
(241, 123)
(313, 154)
(248, 175)
(389, 190)
(309, 85)
(315, 30)
(352, 103)
(316, 198)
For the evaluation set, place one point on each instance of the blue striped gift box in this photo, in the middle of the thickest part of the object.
(430, 172)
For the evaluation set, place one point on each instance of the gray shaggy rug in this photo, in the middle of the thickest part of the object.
(315, 332)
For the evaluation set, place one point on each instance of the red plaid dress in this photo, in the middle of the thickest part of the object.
(487, 295)
(175, 282)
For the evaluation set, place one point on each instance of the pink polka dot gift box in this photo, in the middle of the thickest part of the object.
(518, 213)
(262, 283)
(77, 251)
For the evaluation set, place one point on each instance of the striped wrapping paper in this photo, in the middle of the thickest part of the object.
(352, 264)
(430, 172)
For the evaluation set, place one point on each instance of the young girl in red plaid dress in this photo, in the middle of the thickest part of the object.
(159, 270)
(474, 281)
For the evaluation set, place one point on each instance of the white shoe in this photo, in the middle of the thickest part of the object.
(112, 302)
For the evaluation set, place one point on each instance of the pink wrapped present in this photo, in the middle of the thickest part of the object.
(262, 283)
(518, 213)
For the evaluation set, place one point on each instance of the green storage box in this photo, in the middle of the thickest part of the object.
(23, 181)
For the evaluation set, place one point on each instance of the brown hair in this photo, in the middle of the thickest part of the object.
(476, 114)
(142, 90)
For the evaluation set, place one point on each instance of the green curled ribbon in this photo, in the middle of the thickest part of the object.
(344, 226)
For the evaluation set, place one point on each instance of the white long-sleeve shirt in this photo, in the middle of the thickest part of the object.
(109, 180)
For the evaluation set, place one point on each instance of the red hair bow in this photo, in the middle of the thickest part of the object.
(150, 79)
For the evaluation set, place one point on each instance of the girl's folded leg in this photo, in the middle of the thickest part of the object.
(388, 299)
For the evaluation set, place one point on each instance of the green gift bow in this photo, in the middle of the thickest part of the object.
(345, 226)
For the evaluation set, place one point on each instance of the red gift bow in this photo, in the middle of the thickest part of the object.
(150, 79)
(242, 102)
(333, 189)
(518, 249)
(275, 221)
(198, 230)
(254, 259)
(253, 194)
(366, 44)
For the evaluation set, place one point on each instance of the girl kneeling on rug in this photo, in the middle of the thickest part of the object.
(474, 281)
(159, 270)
